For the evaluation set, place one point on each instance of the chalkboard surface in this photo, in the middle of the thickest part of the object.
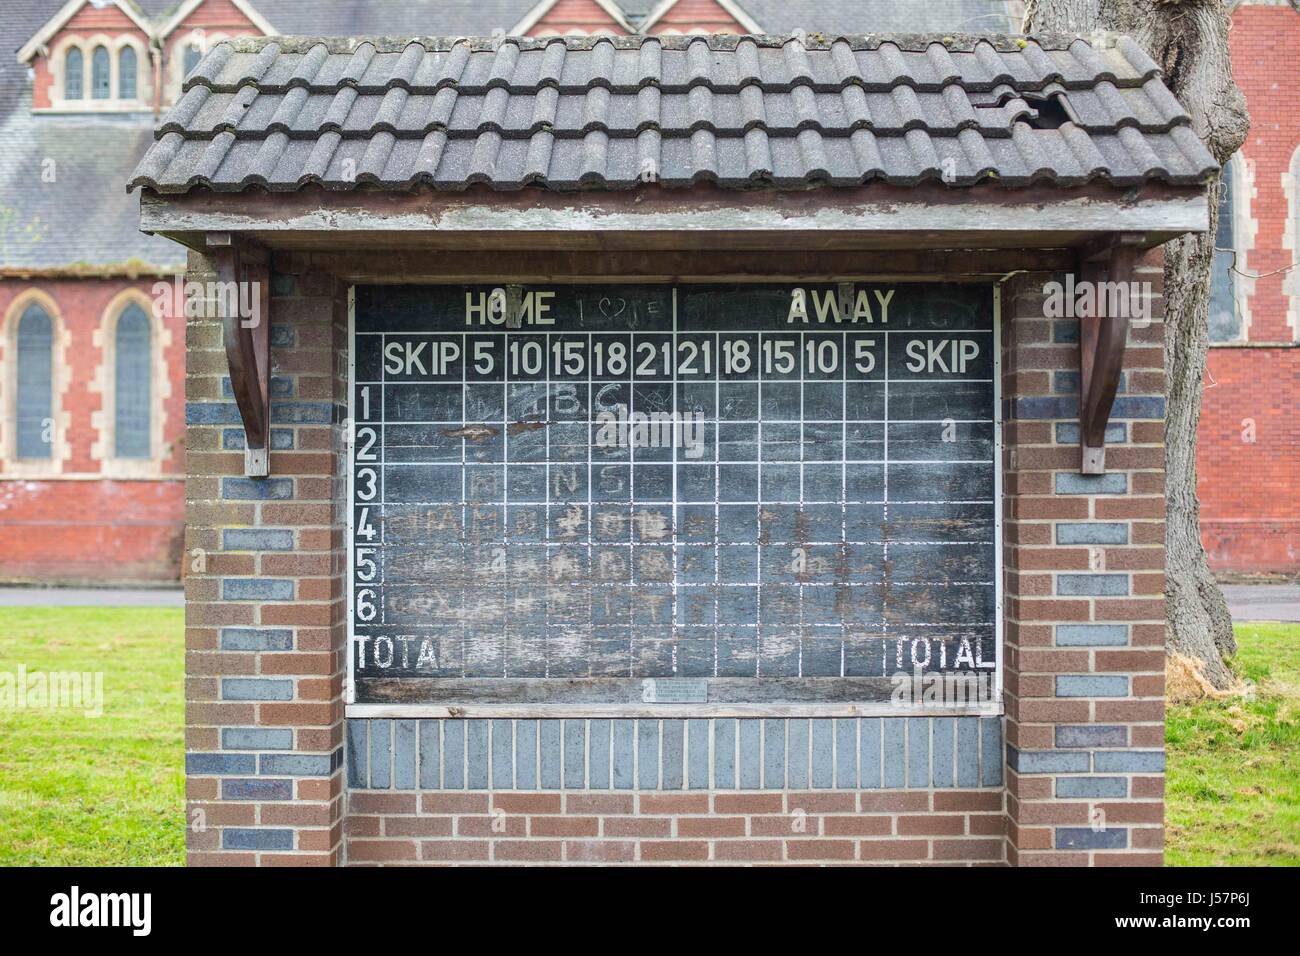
(558, 492)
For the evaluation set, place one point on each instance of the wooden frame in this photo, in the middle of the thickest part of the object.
(1102, 339)
(861, 697)
(248, 345)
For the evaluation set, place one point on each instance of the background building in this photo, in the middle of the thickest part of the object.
(1249, 440)
(82, 81)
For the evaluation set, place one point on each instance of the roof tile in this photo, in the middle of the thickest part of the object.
(611, 113)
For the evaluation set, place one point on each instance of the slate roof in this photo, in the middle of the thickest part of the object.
(600, 113)
(60, 207)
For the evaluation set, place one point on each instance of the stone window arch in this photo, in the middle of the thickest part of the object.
(74, 73)
(101, 74)
(133, 381)
(35, 375)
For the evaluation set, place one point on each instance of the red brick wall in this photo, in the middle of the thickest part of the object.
(1250, 490)
(79, 526)
(569, 15)
(688, 15)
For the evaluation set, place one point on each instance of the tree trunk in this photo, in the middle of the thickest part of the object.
(1189, 39)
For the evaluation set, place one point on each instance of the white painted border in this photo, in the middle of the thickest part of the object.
(688, 711)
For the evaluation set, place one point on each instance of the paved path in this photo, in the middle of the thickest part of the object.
(1263, 602)
(91, 597)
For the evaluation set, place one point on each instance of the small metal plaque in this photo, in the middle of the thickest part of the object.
(660, 691)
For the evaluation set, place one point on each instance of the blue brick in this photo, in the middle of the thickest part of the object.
(724, 753)
(823, 753)
(990, 751)
(846, 753)
(647, 754)
(894, 751)
(1148, 407)
(381, 754)
(1091, 787)
(278, 386)
(1090, 735)
(918, 752)
(1086, 838)
(941, 773)
(869, 752)
(256, 639)
(294, 765)
(1041, 407)
(282, 336)
(476, 754)
(1067, 433)
(575, 748)
(240, 788)
(257, 489)
(674, 754)
(219, 763)
(453, 754)
(282, 284)
(405, 750)
(1092, 533)
(233, 439)
(430, 765)
(239, 838)
(257, 539)
(256, 688)
(1129, 761)
(358, 752)
(751, 754)
(1091, 685)
(254, 738)
(212, 413)
(598, 755)
(1092, 585)
(550, 759)
(1065, 331)
(526, 755)
(774, 754)
(503, 755)
(624, 754)
(697, 750)
(256, 589)
(1091, 635)
(1047, 761)
(968, 752)
(798, 742)
(1112, 483)
(302, 413)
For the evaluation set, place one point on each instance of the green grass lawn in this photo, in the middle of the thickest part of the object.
(1233, 784)
(110, 790)
(95, 791)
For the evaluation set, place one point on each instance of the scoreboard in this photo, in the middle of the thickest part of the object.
(592, 495)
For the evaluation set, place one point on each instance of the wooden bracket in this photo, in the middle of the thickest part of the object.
(243, 303)
(1103, 334)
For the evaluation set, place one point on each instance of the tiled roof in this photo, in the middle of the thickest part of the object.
(592, 113)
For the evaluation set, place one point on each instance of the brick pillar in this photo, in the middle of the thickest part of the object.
(264, 589)
(1085, 622)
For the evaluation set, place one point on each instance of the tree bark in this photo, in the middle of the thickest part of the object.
(1189, 39)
